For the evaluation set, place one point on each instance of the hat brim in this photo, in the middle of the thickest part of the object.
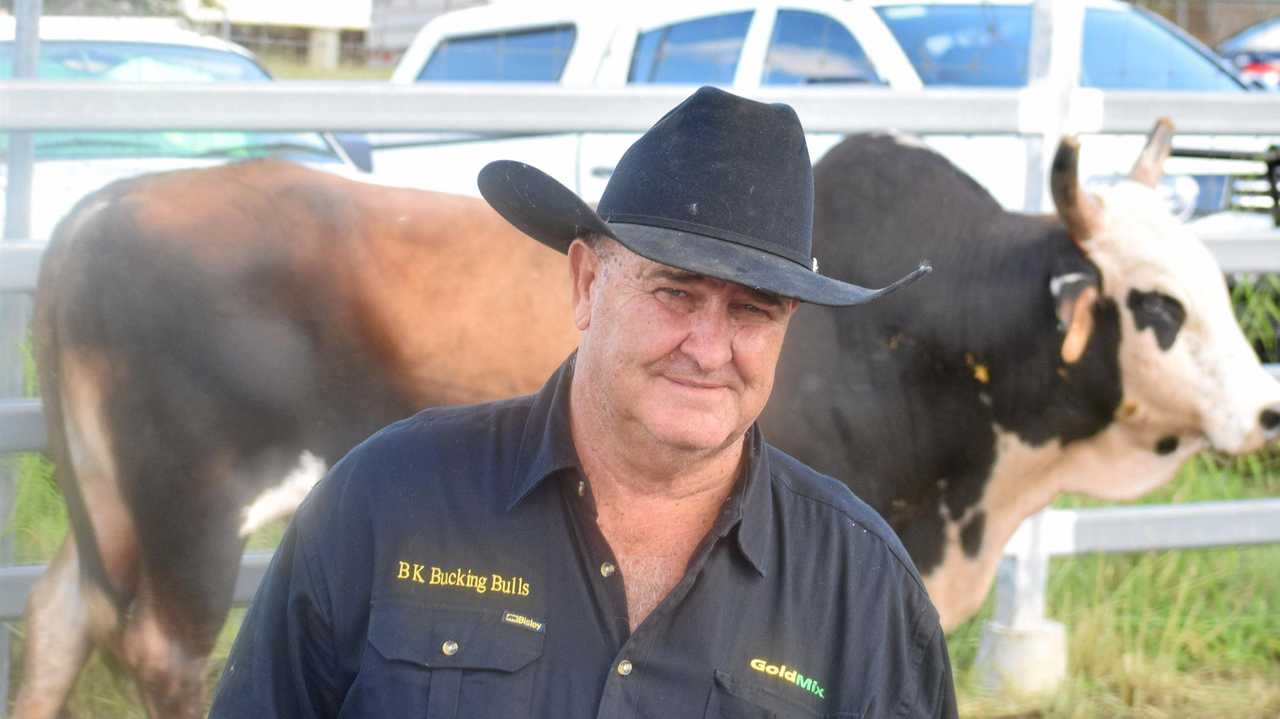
(538, 205)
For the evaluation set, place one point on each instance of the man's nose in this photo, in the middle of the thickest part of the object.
(710, 340)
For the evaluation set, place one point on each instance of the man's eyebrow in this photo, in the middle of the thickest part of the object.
(674, 275)
(671, 274)
(765, 298)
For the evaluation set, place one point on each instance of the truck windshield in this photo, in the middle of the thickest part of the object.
(987, 46)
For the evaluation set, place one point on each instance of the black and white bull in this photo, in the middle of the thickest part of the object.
(209, 341)
(1093, 351)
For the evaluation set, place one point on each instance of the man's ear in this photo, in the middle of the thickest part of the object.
(1074, 295)
(584, 271)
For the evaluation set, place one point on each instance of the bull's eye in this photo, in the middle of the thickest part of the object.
(1161, 313)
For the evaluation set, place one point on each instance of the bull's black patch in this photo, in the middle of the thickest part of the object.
(1161, 313)
(1167, 445)
(971, 534)
(1270, 419)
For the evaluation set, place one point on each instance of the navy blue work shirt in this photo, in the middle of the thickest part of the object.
(451, 566)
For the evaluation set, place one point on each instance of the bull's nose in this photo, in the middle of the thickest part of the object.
(1270, 420)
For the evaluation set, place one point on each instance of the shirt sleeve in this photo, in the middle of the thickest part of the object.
(283, 662)
(288, 659)
(927, 688)
(937, 686)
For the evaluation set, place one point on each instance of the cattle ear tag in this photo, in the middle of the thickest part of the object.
(1074, 295)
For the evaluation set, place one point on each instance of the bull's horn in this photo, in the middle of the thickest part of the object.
(1077, 208)
(1150, 165)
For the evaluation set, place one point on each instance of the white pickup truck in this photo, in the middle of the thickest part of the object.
(747, 45)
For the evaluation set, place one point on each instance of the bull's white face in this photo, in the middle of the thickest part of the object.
(1189, 374)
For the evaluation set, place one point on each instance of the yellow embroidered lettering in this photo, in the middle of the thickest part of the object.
(404, 571)
(417, 573)
(758, 664)
(437, 576)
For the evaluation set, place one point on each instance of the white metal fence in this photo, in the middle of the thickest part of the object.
(1040, 114)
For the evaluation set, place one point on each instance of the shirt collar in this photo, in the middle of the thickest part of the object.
(755, 531)
(547, 443)
(546, 447)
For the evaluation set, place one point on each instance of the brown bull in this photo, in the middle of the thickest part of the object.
(202, 335)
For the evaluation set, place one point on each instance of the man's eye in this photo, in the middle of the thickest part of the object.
(755, 310)
(673, 292)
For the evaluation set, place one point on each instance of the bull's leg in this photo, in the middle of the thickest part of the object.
(57, 642)
(183, 599)
(170, 675)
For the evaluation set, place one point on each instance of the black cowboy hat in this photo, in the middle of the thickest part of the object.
(720, 186)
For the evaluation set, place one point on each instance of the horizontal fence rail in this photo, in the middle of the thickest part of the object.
(466, 107)
(20, 265)
(1066, 532)
(16, 582)
(22, 426)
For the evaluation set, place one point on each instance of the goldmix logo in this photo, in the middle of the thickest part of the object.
(790, 676)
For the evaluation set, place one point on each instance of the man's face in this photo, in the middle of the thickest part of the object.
(674, 357)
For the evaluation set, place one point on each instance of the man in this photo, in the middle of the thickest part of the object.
(623, 543)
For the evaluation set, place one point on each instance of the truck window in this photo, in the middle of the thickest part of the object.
(702, 51)
(982, 45)
(527, 56)
(809, 48)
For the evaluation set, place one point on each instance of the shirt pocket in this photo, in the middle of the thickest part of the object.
(733, 698)
(442, 663)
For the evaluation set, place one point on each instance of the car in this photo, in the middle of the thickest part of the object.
(69, 165)
(751, 46)
(1255, 50)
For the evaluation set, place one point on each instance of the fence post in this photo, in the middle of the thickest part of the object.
(1053, 70)
(15, 308)
(1021, 651)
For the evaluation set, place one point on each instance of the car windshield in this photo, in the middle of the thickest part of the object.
(987, 46)
(95, 61)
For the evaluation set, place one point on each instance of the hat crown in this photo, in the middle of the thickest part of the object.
(720, 166)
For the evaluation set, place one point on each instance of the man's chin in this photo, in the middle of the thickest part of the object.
(695, 439)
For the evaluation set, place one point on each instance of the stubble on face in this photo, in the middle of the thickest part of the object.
(677, 362)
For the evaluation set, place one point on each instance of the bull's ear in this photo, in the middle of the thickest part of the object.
(1074, 294)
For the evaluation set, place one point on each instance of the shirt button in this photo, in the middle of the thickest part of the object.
(582, 487)
(607, 569)
(624, 667)
(449, 648)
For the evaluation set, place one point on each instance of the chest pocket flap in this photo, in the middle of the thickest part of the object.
(451, 638)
